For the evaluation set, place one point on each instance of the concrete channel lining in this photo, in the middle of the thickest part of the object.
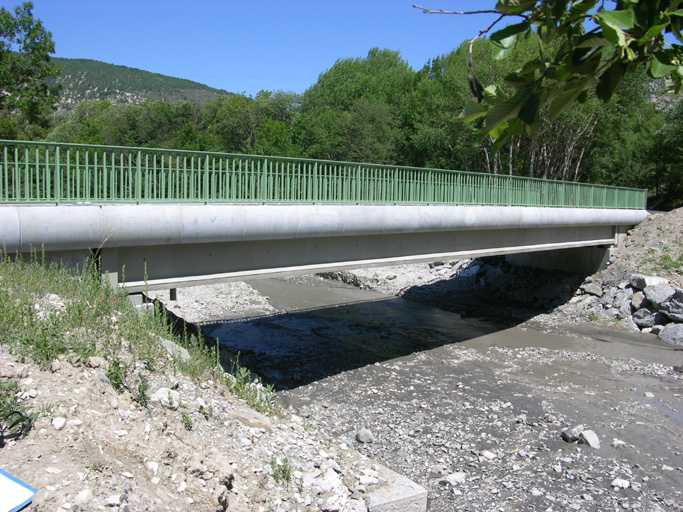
(397, 494)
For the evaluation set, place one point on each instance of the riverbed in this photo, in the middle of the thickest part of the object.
(473, 410)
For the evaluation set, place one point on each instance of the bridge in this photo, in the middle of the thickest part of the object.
(158, 218)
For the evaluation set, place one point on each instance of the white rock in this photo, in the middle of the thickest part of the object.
(59, 423)
(364, 436)
(113, 501)
(648, 394)
(590, 438)
(53, 470)
(459, 477)
(168, 398)
(618, 443)
(153, 467)
(620, 483)
(489, 455)
(83, 498)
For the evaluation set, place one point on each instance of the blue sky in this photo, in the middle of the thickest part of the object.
(248, 45)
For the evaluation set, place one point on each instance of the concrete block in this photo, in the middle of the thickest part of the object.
(398, 494)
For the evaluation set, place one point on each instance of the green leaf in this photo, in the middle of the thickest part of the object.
(516, 127)
(472, 111)
(616, 19)
(517, 81)
(583, 61)
(675, 29)
(567, 96)
(499, 130)
(580, 8)
(609, 80)
(661, 65)
(529, 111)
(530, 67)
(652, 33)
(503, 111)
(491, 94)
(532, 129)
(504, 40)
(514, 6)
(613, 35)
(499, 142)
(591, 40)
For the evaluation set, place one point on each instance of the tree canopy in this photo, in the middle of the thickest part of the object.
(583, 48)
(25, 48)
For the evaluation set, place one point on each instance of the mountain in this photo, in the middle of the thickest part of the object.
(84, 79)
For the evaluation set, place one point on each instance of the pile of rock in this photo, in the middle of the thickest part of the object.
(647, 304)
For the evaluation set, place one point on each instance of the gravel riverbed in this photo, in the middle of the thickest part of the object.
(550, 409)
(478, 423)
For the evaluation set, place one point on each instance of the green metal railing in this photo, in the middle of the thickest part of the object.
(41, 172)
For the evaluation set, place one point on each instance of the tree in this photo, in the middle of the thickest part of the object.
(573, 60)
(25, 48)
(354, 110)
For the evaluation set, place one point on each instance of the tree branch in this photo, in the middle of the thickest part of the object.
(441, 11)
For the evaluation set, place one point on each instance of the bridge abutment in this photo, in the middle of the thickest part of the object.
(581, 260)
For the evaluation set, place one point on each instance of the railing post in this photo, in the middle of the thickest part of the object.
(264, 181)
(138, 179)
(315, 183)
(358, 185)
(206, 179)
(57, 178)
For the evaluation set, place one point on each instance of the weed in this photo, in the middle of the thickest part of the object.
(282, 470)
(207, 412)
(187, 422)
(593, 316)
(259, 397)
(141, 396)
(9, 391)
(116, 374)
(667, 262)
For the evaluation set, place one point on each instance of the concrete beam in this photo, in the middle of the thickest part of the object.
(166, 246)
(168, 266)
(70, 227)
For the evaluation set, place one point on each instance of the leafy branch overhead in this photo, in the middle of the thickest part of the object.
(585, 47)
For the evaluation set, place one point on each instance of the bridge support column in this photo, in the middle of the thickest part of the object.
(109, 263)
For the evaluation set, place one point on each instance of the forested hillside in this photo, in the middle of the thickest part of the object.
(87, 80)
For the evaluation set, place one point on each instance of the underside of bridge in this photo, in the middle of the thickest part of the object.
(156, 246)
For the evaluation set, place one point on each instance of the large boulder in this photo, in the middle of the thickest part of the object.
(592, 289)
(658, 294)
(673, 309)
(646, 318)
(638, 301)
(641, 282)
(672, 334)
